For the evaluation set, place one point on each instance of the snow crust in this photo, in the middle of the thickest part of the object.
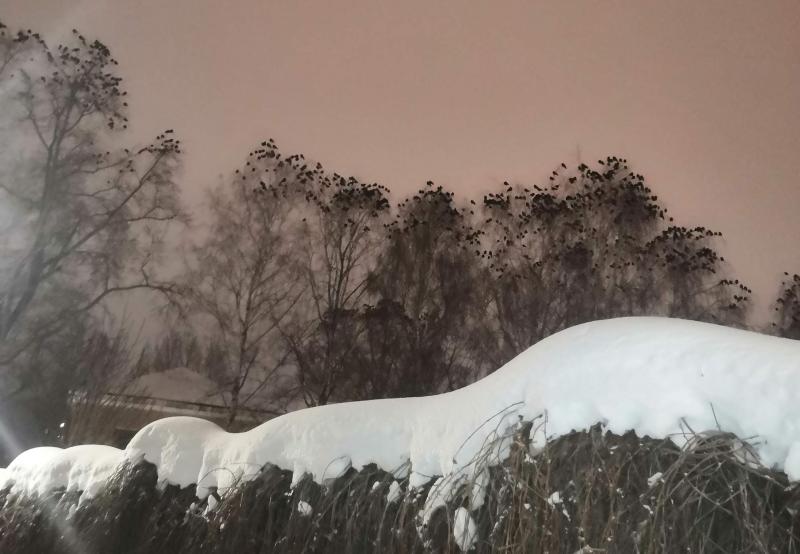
(554, 498)
(465, 531)
(395, 492)
(659, 377)
(654, 479)
(304, 508)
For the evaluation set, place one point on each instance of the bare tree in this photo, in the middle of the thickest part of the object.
(241, 286)
(177, 347)
(331, 221)
(590, 245)
(787, 308)
(87, 218)
(13, 46)
(105, 366)
(426, 303)
(334, 251)
(431, 300)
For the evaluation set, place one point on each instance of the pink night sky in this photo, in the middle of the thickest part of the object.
(702, 97)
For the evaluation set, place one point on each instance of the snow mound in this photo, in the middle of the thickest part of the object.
(79, 468)
(659, 377)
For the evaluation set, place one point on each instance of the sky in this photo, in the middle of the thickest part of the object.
(703, 98)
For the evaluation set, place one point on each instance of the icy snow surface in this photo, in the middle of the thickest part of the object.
(657, 376)
(465, 531)
(394, 492)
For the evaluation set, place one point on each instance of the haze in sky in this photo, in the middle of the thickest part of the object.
(703, 98)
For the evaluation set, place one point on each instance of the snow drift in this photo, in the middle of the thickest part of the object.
(659, 377)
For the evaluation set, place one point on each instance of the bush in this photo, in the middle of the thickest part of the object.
(585, 492)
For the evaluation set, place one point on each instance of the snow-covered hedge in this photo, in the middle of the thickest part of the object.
(583, 492)
(660, 378)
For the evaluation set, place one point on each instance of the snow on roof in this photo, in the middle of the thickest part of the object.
(656, 376)
(180, 384)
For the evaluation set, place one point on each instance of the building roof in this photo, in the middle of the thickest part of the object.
(180, 384)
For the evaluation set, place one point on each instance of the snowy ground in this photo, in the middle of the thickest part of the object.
(659, 377)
